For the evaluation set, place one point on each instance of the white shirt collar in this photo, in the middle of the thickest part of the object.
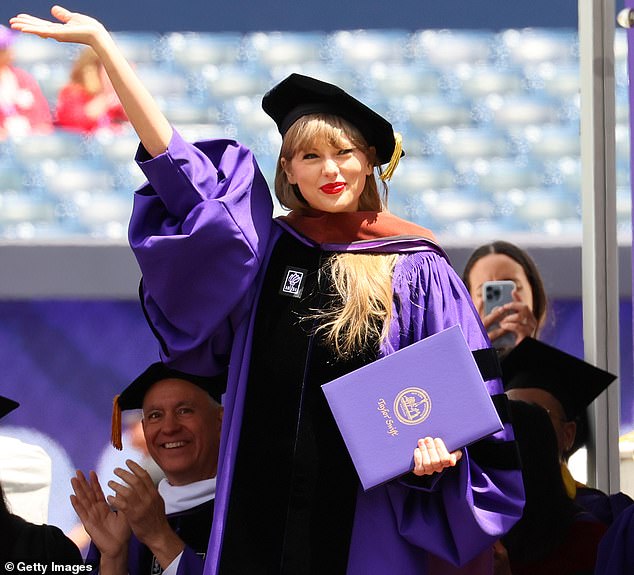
(183, 497)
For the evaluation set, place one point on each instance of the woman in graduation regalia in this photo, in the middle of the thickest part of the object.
(289, 304)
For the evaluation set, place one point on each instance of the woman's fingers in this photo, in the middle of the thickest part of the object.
(431, 456)
(61, 13)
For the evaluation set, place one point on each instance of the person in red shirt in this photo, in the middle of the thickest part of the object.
(88, 102)
(23, 108)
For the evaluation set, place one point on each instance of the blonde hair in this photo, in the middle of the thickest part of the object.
(361, 309)
(86, 71)
(335, 131)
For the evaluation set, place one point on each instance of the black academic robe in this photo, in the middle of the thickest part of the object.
(29, 543)
(304, 484)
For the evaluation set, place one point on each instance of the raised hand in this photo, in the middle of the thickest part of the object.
(144, 114)
(72, 26)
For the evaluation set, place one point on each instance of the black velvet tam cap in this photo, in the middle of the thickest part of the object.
(7, 406)
(132, 396)
(573, 382)
(298, 96)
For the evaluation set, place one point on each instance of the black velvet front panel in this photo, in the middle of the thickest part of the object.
(294, 487)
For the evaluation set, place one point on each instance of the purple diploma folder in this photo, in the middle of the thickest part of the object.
(430, 388)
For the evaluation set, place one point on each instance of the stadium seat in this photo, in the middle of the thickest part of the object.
(560, 81)
(66, 178)
(551, 141)
(188, 110)
(162, 81)
(512, 110)
(427, 112)
(273, 49)
(196, 50)
(402, 80)
(18, 206)
(495, 175)
(140, 48)
(13, 176)
(536, 205)
(447, 49)
(365, 47)
(230, 81)
(51, 77)
(472, 143)
(29, 50)
(115, 147)
(483, 80)
(103, 214)
(416, 174)
(57, 145)
(535, 45)
(452, 205)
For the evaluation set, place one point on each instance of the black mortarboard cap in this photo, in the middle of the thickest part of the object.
(132, 396)
(575, 383)
(298, 95)
(7, 406)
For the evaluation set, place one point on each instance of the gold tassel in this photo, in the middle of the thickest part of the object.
(115, 434)
(569, 482)
(394, 160)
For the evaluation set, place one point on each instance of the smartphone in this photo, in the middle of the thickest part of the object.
(496, 294)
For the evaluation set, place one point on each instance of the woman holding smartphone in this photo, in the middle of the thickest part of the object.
(522, 313)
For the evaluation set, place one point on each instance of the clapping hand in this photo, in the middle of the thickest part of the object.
(108, 529)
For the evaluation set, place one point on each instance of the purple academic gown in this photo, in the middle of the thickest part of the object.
(140, 558)
(615, 555)
(190, 562)
(202, 231)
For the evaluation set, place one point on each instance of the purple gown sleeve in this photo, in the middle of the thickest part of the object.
(464, 509)
(199, 230)
(604, 507)
(615, 554)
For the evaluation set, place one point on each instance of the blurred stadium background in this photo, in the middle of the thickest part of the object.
(490, 122)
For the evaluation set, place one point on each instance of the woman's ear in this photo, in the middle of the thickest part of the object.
(286, 167)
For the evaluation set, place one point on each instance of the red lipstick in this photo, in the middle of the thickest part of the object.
(333, 188)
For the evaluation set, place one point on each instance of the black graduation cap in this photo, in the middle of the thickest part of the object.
(573, 382)
(7, 406)
(298, 95)
(132, 396)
